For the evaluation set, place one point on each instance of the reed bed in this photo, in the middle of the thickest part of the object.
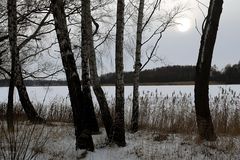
(173, 113)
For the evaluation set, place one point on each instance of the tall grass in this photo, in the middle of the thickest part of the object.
(173, 113)
(26, 142)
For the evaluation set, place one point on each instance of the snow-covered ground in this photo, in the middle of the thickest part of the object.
(156, 111)
(143, 145)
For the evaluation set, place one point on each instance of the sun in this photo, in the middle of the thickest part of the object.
(183, 24)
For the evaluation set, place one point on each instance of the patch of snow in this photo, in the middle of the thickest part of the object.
(140, 146)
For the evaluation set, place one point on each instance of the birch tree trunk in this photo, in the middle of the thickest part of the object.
(80, 108)
(16, 77)
(87, 38)
(203, 115)
(23, 95)
(86, 83)
(9, 114)
(119, 129)
(85, 52)
(12, 32)
(137, 67)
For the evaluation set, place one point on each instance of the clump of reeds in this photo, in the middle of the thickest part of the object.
(225, 109)
(175, 113)
(172, 114)
(23, 142)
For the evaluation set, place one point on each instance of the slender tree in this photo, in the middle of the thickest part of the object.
(203, 115)
(153, 39)
(16, 71)
(85, 52)
(88, 46)
(12, 30)
(119, 129)
(137, 67)
(80, 108)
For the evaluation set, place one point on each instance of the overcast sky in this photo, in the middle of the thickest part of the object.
(182, 47)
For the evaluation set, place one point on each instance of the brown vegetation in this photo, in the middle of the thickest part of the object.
(169, 114)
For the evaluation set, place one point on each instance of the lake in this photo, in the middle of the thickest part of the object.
(47, 95)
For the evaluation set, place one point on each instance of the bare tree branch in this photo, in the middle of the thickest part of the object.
(35, 33)
(6, 71)
(202, 3)
(38, 52)
(106, 37)
(41, 77)
(152, 13)
(3, 38)
(96, 25)
(164, 26)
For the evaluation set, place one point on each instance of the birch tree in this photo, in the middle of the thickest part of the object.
(16, 71)
(12, 29)
(88, 49)
(137, 67)
(119, 129)
(208, 39)
(153, 39)
(85, 53)
(81, 111)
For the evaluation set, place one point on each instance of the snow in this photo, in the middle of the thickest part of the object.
(142, 145)
(52, 94)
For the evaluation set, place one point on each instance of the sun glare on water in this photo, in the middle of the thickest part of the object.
(183, 24)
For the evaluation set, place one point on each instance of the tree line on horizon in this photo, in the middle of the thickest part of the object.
(230, 74)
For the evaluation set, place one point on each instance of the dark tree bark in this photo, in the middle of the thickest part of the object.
(88, 46)
(16, 75)
(85, 52)
(137, 67)
(119, 129)
(23, 95)
(12, 29)
(80, 107)
(203, 115)
(9, 114)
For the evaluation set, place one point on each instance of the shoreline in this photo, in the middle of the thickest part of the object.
(142, 84)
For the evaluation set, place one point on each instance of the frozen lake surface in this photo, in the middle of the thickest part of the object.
(46, 95)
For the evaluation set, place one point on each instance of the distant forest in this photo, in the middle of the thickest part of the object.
(5, 82)
(229, 75)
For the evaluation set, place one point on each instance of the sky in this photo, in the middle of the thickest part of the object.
(181, 48)
(180, 45)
